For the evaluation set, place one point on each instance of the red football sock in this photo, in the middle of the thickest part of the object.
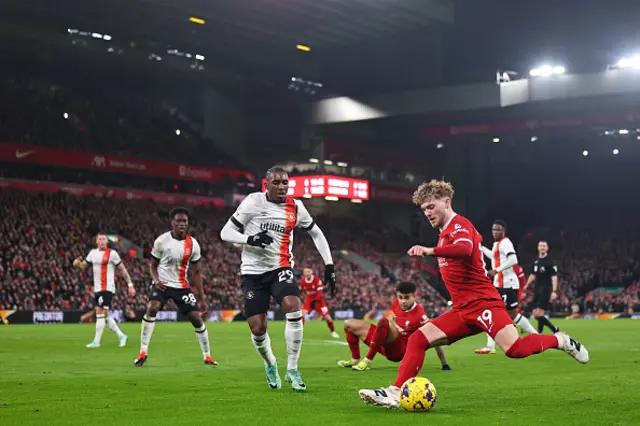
(413, 358)
(332, 327)
(354, 344)
(382, 331)
(531, 344)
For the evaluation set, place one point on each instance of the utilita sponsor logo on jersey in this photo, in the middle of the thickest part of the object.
(275, 227)
(194, 173)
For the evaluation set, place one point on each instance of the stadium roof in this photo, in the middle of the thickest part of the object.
(242, 34)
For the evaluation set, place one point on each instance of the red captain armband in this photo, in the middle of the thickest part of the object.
(460, 248)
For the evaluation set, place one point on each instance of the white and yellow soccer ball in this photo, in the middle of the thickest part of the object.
(418, 395)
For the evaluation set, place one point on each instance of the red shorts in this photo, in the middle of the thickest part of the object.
(319, 305)
(488, 316)
(393, 351)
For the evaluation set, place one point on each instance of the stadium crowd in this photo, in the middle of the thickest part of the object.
(41, 234)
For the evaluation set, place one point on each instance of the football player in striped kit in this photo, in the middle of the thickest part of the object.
(264, 223)
(505, 279)
(104, 261)
(173, 254)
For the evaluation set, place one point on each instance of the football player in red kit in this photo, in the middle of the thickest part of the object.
(389, 339)
(477, 306)
(314, 299)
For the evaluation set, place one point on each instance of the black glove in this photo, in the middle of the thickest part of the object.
(330, 278)
(261, 239)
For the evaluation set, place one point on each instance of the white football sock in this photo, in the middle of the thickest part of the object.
(113, 326)
(491, 344)
(203, 338)
(524, 324)
(293, 332)
(263, 346)
(100, 321)
(148, 324)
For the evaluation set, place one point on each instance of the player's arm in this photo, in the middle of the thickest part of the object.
(156, 255)
(460, 248)
(306, 222)
(554, 282)
(487, 252)
(530, 280)
(233, 230)
(125, 274)
(511, 259)
(81, 263)
(196, 275)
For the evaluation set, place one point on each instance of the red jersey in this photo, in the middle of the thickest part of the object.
(521, 276)
(313, 289)
(461, 263)
(408, 321)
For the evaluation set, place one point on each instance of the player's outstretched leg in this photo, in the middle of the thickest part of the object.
(522, 347)
(489, 349)
(293, 333)
(522, 322)
(113, 326)
(100, 323)
(262, 343)
(148, 324)
(332, 326)
(377, 341)
(443, 358)
(203, 337)
(409, 367)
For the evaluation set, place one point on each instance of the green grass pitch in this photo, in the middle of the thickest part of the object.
(47, 376)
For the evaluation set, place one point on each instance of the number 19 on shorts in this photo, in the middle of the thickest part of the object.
(486, 319)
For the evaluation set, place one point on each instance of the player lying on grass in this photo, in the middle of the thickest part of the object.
(388, 338)
(477, 305)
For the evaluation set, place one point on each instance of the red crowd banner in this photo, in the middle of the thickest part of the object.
(327, 185)
(82, 190)
(529, 125)
(111, 163)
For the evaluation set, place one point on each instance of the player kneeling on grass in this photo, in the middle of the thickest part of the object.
(172, 254)
(104, 262)
(477, 305)
(389, 339)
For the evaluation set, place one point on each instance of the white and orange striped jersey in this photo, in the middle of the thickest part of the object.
(503, 259)
(256, 214)
(175, 257)
(104, 264)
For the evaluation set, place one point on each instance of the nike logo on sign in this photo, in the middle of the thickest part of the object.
(22, 154)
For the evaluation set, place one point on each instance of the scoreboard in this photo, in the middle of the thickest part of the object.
(326, 186)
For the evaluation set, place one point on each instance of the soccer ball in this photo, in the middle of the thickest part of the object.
(418, 395)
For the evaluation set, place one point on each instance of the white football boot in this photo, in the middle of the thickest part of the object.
(572, 347)
(383, 397)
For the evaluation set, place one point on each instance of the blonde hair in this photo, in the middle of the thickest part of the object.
(432, 189)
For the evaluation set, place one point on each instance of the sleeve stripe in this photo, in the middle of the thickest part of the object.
(156, 258)
(308, 228)
(196, 261)
(118, 264)
(466, 240)
(513, 253)
(237, 224)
